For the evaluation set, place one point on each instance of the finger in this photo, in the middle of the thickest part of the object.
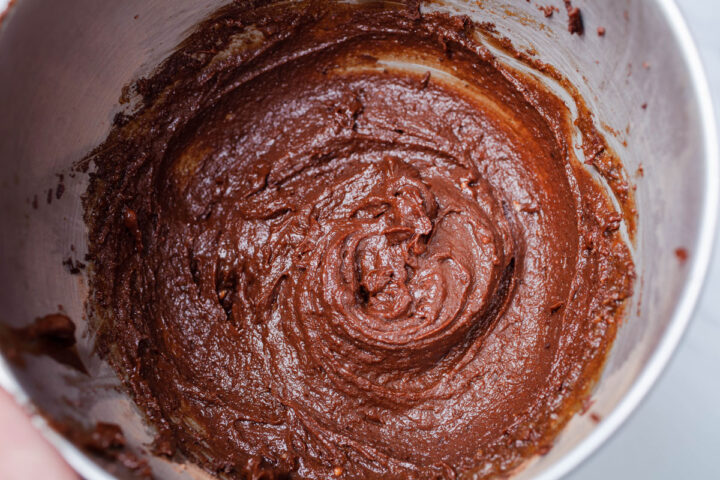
(24, 452)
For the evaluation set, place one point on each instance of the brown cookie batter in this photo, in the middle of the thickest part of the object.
(347, 242)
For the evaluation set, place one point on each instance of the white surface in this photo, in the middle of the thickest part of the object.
(675, 434)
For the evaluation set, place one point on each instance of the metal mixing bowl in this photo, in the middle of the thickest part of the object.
(62, 68)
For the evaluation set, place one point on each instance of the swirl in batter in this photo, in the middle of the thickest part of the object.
(344, 241)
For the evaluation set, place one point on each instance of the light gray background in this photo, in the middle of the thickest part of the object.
(675, 433)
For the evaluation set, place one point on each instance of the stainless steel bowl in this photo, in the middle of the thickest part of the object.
(63, 65)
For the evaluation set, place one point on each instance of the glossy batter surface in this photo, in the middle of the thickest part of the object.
(346, 242)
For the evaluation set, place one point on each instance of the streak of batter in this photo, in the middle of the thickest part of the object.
(343, 241)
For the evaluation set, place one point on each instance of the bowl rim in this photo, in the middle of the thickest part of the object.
(698, 272)
(651, 372)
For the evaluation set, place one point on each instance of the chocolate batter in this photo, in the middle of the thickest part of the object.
(344, 241)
